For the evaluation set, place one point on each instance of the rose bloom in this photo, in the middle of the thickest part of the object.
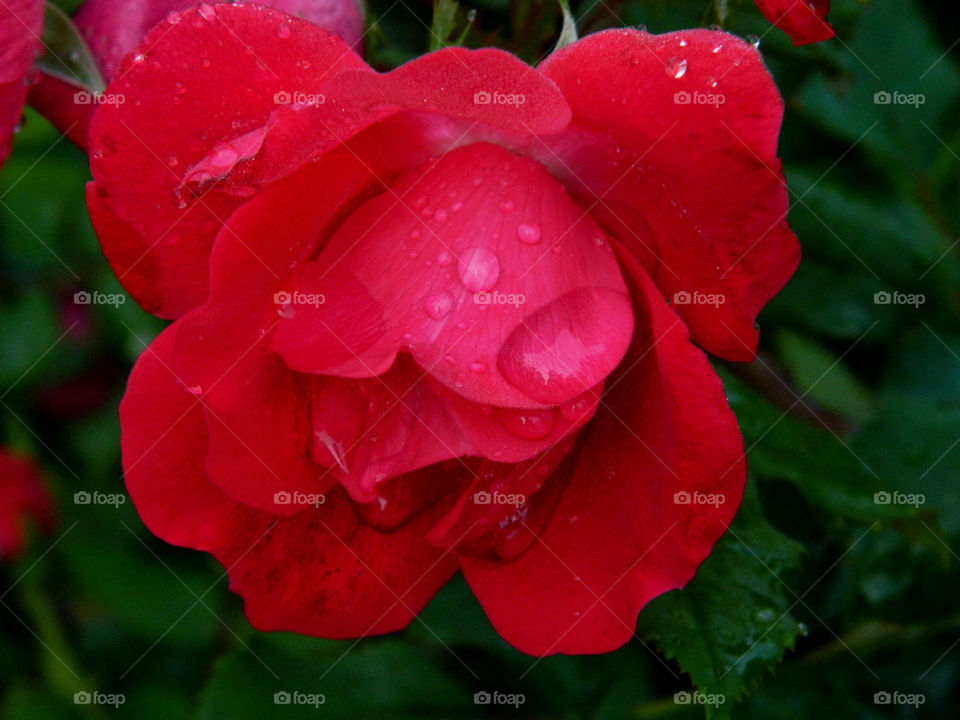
(112, 28)
(805, 21)
(23, 501)
(422, 318)
(21, 22)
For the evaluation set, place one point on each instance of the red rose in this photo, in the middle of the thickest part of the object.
(112, 28)
(805, 21)
(421, 322)
(21, 22)
(23, 500)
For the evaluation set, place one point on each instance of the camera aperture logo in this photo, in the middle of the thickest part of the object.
(96, 297)
(484, 697)
(299, 98)
(685, 697)
(896, 297)
(83, 697)
(499, 298)
(83, 497)
(284, 497)
(685, 497)
(296, 697)
(885, 97)
(684, 97)
(895, 497)
(483, 497)
(287, 302)
(884, 697)
(85, 97)
(682, 297)
(494, 97)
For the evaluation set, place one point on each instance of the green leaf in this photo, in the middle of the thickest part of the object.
(445, 24)
(824, 467)
(824, 377)
(374, 678)
(568, 33)
(67, 56)
(731, 623)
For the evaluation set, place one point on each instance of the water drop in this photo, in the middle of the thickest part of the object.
(676, 68)
(283, 31)
(507, 206)
(479, 269)
(224, 157)
(717, 49)
(527, 424)
(172, 160)
(207, 12)
(560, 351)
(753, 40)
(528, 233)
(477, 367)
(438, 304)
(440, 216)
(445, 259)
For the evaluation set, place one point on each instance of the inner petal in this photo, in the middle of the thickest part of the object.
(480, 266)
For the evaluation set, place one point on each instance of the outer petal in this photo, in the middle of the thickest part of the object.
(258, 411)
(321, 572)
(618, 536)
(112, 28)
(200, 89)
(21, 23)
(674, 149)
(805, 21)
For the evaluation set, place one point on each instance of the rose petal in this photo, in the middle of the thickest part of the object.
(679, 163)
(617, 538)
(483, 269)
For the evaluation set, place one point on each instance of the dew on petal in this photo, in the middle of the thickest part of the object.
(437, 305)
(527, 424)
(676, 68)
(479, 269)
(528, 233)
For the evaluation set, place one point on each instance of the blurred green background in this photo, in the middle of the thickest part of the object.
(850, 397)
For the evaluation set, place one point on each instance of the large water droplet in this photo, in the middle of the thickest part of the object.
(676, 68)
(527, 424)
(528, 233)
(479, 269)
(224, 157)
(437, 305)
(568, 346)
